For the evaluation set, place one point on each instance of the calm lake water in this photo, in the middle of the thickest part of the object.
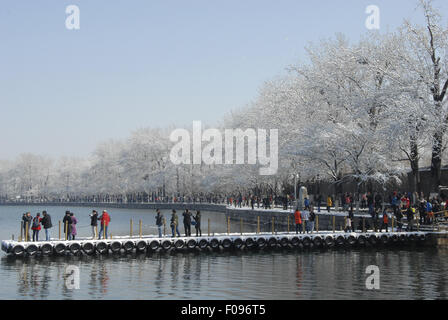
(289, 275)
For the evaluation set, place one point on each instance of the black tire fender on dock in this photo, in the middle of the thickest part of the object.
(340, 241)
(167, 244)
(128, 246)
(60, 248)
(272, 242)
(191, 244)
(154, 245)
(284, 242)
(329, 241)
(32, 249)
(317, 241)
(261, 242)
(295, 242)
(18, 250)
(203, 244)
(226, 243)
(214, 243)
(88, 248)
(101, 247)
(373, 240)
(238, 243)
(75, 248)
(394, 239)
(403, 238)
(115, 246)
(179, 244)
(141, 245)
(306, 242)
(362, 240)
(249, 243)
(46, 249)
(351, 241)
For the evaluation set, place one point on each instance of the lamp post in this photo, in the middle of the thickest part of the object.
(296, 177)
(318, 193)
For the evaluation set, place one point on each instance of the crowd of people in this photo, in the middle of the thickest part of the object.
(69, 222)
(415, 208)
(188, 220)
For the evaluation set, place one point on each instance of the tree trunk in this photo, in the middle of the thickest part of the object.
(436, 161)
(416, 183)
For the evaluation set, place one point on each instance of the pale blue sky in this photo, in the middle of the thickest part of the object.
(152, 63)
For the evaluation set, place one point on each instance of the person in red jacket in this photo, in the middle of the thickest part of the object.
(36, 227)
(385, 222)
(298, 221)
(104, 219)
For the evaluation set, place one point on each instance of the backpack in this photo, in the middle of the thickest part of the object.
(35, 223)
(312, 216)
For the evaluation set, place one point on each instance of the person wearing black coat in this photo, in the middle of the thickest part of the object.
(410, 219)
(67, 223)
(187, 223)
(46, 223)
(197, 219)
(94, 223)
(159, 222)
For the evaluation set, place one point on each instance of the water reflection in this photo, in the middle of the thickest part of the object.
(405, 274)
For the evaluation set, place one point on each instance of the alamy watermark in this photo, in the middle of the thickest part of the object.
(373, 280)
(71, 276)
(72, 22)
(373, 20)
(190, 150)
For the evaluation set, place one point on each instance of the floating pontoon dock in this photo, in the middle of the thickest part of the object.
(250, 241)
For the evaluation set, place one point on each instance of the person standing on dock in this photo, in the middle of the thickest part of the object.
(187, 222)
(305, 222)
(27, 219)
(197, 219)
(385, 221)
(410, 219)
(395, 202)
(73, 226)
(174, 224)
(36, 227)
(311, 218)
(298, 221)
(428, 210)
(94, 223)
(307, 203)
(159, 222)
(329, 203)
(67, 222)
(349, 226)
(46, 223)
(104, 220)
